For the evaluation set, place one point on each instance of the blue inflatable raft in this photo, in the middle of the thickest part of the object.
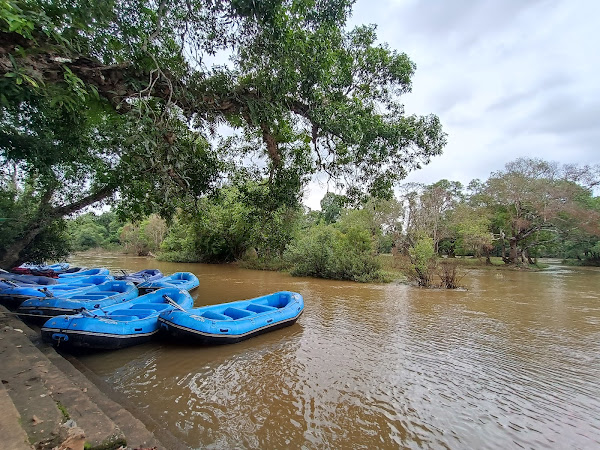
(95, 297)
(52, 268)
(117, 326)
(146, 275)
(28, 279)
(181, 280)
(227, 323)
(15, 292)
(85, 273)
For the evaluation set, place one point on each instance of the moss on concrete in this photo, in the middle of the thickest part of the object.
(109, 444)
(63, 411)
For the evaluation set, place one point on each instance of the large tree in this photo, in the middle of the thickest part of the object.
(132, 78)
(57, 162)
(536, 201)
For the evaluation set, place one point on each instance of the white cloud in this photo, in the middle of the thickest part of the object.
(508, 78)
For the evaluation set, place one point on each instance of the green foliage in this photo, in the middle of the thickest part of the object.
(113, 101)
(91, 231)
(312, 254)
(68, 161)
(50, 245)
(532, 197)
(296, 78)
(385, 243)
(63, 410)
(225, 226)
(88, 236)
(529, 209)
(239, 224)
(19, 208)
(332, 206)
(423, 260)
(145, 237)
(325, 251)
(471, 227)
(579, 248)
(179, 244)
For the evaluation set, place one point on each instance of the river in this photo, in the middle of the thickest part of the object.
(511, 362)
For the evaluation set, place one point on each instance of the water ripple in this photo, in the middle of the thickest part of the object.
(389, 367)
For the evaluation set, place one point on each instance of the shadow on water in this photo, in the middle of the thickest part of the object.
(513, 361)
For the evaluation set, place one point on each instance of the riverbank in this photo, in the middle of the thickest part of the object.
(444, 272)
(51, 401)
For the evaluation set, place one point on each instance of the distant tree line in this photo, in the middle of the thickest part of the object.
(529, 209)
(108, 231)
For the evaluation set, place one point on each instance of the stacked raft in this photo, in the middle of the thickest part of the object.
(116, 326)
(91, 309)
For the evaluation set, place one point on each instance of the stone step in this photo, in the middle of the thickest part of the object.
(46, 398)
(48, 392)
(13, 435)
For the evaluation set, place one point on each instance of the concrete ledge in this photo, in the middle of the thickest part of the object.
(45, 390)
(13, 436)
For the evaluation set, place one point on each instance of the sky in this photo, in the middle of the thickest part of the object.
(507, 78)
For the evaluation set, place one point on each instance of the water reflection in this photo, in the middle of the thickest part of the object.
(512, 361)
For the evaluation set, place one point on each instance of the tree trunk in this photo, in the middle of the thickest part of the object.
(528, 256)
(487, 250)
(503, 254)
(12, 255)
(452, 250)
(513, 252)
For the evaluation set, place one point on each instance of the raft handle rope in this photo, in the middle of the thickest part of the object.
(85, 312)
(172, 302)
(46, 292)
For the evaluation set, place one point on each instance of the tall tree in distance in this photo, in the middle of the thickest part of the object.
(532, 195)
(427, 210)
(332, 206)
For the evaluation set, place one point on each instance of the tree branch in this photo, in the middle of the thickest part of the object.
(83, 202)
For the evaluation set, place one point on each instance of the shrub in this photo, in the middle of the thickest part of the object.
(423, 260)
(448, 274)
(325, 251)
(180, 244)
(89, 235)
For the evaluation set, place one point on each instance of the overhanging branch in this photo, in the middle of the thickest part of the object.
(88, 200)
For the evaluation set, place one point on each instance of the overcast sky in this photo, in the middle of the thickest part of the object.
(507, 78)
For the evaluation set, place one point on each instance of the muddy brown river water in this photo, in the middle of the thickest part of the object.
(513, 362)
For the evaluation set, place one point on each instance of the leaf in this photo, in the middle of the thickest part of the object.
(30, 81)
(95, 93)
